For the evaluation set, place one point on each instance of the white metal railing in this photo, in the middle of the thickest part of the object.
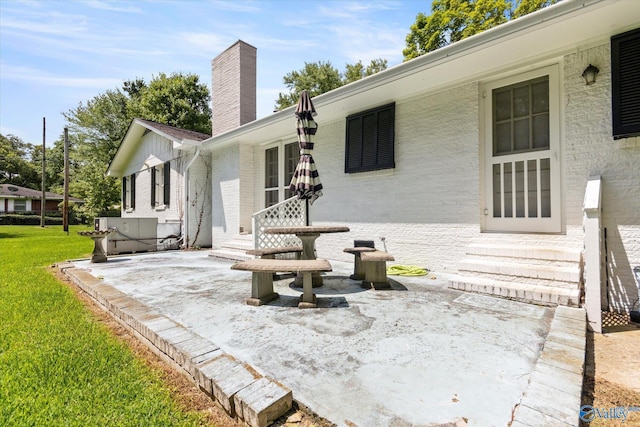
(593, 253)
(288, 213)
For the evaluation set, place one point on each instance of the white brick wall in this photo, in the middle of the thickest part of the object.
(199, 202)
(428, 207)
(589, 149)
(225, 194)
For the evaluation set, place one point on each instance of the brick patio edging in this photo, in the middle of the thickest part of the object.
(237, 387)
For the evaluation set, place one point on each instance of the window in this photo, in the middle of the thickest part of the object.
(521, 117)
(129, 192)
(160, 185)
(20, 205)
(370, 140)
(278, 172)
(625, 75)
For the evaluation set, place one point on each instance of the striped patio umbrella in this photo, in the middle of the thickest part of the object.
(305, 182)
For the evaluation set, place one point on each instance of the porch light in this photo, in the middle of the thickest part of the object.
(590, 74)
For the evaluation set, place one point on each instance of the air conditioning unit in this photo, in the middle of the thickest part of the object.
(131, 234)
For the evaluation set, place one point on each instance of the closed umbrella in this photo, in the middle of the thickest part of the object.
(305, 182)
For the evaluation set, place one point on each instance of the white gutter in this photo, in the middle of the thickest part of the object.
(185, 233)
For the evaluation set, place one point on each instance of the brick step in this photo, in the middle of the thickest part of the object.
(524, 292)
(525, 251)
(521, 271)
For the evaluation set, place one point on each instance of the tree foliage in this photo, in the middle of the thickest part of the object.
(454, 20)
(320, 77)
(176, 100)
(18, 163)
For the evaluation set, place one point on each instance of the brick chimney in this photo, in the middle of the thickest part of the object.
(233, 87)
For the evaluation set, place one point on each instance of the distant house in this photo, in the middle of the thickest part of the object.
(164, 175)
(16, 199)
(472, 160)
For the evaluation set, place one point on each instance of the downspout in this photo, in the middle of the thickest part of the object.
(187, 242)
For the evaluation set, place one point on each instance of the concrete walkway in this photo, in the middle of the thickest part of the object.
(419, 354)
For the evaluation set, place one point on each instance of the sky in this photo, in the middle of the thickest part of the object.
(56, 54)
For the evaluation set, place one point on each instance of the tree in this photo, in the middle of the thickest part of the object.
(355, 72)
(320, 77)
(524, 7)
(177, 100)
(454, 20)
(16, 165)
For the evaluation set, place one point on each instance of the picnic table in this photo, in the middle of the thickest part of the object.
(308, 235)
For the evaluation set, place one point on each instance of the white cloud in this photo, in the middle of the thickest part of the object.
(41, 77)
(111, 6)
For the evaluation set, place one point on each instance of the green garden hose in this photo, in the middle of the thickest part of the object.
(406, 270)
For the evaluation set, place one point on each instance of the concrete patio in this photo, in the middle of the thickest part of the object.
(419, 354)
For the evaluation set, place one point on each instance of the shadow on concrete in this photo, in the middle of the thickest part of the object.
(323, 302)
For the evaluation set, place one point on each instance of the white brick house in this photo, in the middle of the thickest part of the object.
(165, 175)
(489, 146)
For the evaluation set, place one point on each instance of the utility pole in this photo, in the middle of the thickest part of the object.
(43, 203)
(65, 205)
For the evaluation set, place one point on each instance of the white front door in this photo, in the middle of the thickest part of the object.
(522, 140)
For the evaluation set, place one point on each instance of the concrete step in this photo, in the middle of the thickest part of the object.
(525, 292)
(564, 274)
(525, 251)
(230, 254)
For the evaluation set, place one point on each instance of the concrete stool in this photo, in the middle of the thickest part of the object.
(358, 269)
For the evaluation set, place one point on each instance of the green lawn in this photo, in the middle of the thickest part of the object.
(58, 365)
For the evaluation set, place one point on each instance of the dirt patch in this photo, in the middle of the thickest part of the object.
(612, 374)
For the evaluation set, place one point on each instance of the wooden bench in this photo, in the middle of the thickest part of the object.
(270, 253)
(375, 269)
(358, 269)
(262, 278)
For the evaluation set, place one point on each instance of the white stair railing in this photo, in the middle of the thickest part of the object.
(593, 253)
(288, 213)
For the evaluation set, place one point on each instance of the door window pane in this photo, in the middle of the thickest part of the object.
(270, 198)
(271, 168)
(508, 192)
(532, 188)
(291, 158)
(497, 199)
(545, 188)
(521, 101)
(541, 131)
(520, 208)
(521, 135)
(521, 117)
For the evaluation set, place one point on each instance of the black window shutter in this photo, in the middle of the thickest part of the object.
(167, 182)
(153, 187)
(370, 140)
(386, 132)
(133, 191)
(124, 193)
(625, 75)
(354, 144)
